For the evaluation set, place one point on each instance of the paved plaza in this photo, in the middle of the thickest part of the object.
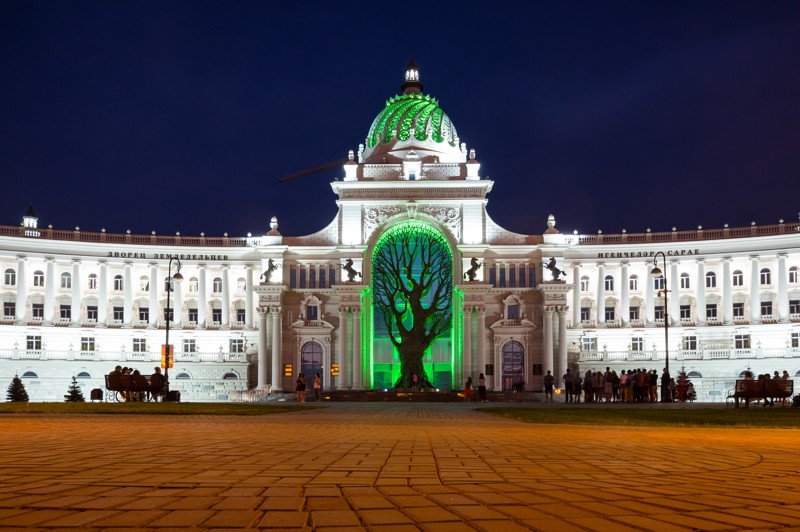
(390, 466)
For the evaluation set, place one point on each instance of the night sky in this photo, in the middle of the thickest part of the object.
(181, 116)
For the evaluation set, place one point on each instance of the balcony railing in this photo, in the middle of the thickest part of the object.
(692, 354)
(121, 356)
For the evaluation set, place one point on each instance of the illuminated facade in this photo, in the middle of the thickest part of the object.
(253, 312)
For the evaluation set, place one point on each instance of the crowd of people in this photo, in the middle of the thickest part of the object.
(138, 387)
(637, 385)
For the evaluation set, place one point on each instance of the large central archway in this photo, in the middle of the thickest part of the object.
(412, 298)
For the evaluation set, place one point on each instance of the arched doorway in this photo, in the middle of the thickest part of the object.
(513, 365)
(311, 361)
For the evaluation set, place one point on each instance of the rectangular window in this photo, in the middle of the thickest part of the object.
(292, 277)
(66, 281)
(711, 280)
(738, 310)
(513, 312)
(237, 345)
(794, 306)
(501, 277)
(795, 340)
(608, 283)
(637, 343)
(119, 314)
(91, 313)
(686, 312)
(241, 315)
(531, 277)
(38, 311)
(216, 315)
(711, 312)
(192, 315)
(766, 308)
(522, 277)
(87, 344)
(589, 344)
(33, 343)
(586, 313)
(633, 283)
(38, 279)
(512, 277)
(92, 282)
(634, 313)
(332, 276)
(139, 345)
(302, 278)
(323, 281)
(689, 343)
(685, 282)
(493, 276)
(312, 278)
(9, 309)
(65, 312)
(737, 278)
(741, 341)
(144, 314)
(609, 314)
(792, 275)
(189, 345)
(659, 312)
(169, 314)
(658, 283)
(584, 284)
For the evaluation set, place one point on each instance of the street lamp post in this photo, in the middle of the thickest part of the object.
(655, 273)
(168, 354)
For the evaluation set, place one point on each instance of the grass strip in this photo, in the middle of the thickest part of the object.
(767, 418)
(183, 409)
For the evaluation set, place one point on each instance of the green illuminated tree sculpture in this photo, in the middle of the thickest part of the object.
(412, 271)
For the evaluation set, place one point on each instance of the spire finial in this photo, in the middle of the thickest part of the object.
(412, 84)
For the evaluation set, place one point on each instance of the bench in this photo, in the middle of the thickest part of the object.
(131, 388)
(761, 389)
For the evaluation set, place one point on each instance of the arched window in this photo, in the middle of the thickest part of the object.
(766, 276)
(737, 278)
(183, 376)
(685, 284)
(10, 277)
(585, 283)
(144, 283)
(194, 285)
(311, 359)
(513, 366)
(169, 284)
(66, 280)
(30, 375)
(92, 281)
(792, 274)
(608, 282)
(38, 278)
(241, 285)
(118, 284)
(83, 375)
(216, 285)
(230, 376)
(633, 282)
(694, 375)
(711, 280)
(658, 283)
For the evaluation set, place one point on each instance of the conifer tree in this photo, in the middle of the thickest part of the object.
(16, 391)
(74, 393)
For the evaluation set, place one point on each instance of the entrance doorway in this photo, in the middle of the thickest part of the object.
(513, 367)
(311, 362)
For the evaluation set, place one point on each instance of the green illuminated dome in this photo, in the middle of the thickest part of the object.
(412, 122)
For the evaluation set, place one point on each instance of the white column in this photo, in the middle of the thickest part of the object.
(202, 297)
(248, 297)
(50, 290)
(155, 309)
(226, 298)
(75, 309)
(562, 343)
(358, 380)
(22, 291)
(576, 295)
(482, 344)
(675, 294)
(277, 357)
(727, 290)
(466, 352)
(177, 300)
(601, 295)
(102, 294)
(783, 294)
(547, 341)
(625, 304)
(649, 305)
(127, 310)
(700, 292)
(262, 347)
(755, 296)
(343, 380)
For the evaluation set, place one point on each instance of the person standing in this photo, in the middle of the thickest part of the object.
(666, 396)
(318, 387)
(567, 378)
(482, 389)
(549, 381)
(468, 390)
(300, 388)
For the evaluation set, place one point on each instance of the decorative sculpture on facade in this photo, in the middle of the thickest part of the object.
(271, 267)
(351, 272)
(472, 272)
(554, 269)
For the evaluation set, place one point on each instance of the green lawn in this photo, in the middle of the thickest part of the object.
(192, 409)
(754, 417)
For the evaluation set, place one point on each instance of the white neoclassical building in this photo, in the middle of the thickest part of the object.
(254, 312)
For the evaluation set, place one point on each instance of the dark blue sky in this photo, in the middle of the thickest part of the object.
(180, 116)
